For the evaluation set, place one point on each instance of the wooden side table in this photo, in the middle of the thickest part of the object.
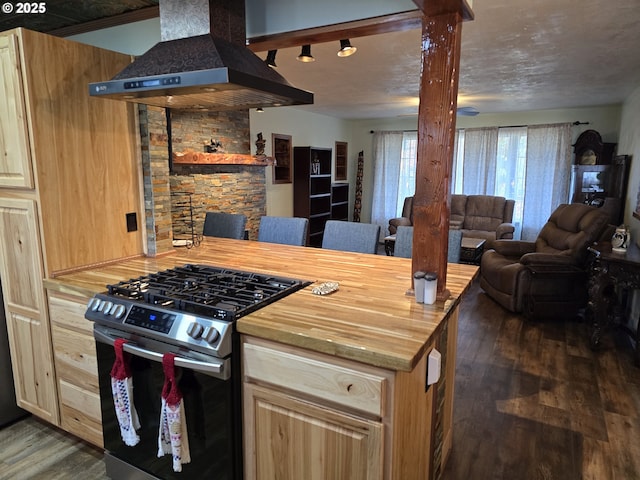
(389, 244)
(611, 274)
(471, 250)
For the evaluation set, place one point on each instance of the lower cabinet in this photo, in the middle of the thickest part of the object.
(310, 440)
(313, 415)
(311, 419)
(76, 367)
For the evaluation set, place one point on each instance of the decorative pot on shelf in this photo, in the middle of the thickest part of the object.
(621, 238)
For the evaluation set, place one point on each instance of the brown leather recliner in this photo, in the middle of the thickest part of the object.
(406, 220)
(548, 276)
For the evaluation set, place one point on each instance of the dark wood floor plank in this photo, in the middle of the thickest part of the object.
(557, 409)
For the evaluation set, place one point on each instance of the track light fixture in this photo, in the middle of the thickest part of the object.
(346, 49)
(305, 54)
(271, 58)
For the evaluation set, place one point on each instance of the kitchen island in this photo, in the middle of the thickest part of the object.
(338, 381)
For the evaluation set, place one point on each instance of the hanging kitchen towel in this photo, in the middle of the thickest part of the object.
(122, 390)
(172, 437)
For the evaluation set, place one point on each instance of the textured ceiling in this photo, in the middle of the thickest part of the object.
(515, 57)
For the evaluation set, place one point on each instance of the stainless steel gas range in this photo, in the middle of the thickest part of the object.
(188, 311)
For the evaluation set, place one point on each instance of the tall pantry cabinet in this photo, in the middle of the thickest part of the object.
(69, 190)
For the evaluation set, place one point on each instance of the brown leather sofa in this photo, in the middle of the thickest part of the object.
(546, 277)
(478, 216)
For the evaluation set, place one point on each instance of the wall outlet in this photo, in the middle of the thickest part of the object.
(132, 222)
(434, 366)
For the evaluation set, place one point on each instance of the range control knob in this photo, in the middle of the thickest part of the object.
(118, 310)
(211, 336)
(107, 308)
(94, 303)
(195, 330)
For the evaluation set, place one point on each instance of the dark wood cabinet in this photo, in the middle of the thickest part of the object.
(312, 189)
(603, 186)
(281, 158)
(341, 161)
(340, 201)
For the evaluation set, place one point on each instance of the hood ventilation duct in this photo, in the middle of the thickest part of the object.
(201, 63)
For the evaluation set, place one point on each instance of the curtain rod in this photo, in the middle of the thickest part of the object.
(576, 123)
(399, 131)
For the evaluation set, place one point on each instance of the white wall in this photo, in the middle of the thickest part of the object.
(604, 119)
(132, 38)
(306, 130)
(629, 144)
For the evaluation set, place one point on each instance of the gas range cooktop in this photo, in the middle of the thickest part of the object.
(207, 290)
(191, 306)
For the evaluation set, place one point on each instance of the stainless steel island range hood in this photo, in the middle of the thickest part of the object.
(201, 63)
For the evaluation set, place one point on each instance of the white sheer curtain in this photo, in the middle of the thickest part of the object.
(548, 174)
(530, 165)
(387, 154)
(479, 168)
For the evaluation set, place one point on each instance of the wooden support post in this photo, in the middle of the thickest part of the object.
(441, 38)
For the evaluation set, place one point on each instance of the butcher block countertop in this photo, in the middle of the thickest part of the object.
(370, 318)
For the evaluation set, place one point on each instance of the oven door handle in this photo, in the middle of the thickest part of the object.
(213, 366)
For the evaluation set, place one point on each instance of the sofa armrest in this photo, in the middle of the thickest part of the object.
(513, 248)
(547, 259)
(394, 223)
(505, 231)
(455, 224)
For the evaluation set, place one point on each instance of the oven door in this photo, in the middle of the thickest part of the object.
(211, 406)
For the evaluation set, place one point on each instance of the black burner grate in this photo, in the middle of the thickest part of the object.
(204, 290)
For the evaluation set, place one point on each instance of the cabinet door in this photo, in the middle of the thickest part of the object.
(27, 320)
(290, 439)
(15, 159)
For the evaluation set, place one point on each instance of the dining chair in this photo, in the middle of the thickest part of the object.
(284, 230)
(404, 243)
(225, 225)
(351, 236)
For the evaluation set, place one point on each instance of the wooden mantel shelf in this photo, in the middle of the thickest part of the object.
(202, 158)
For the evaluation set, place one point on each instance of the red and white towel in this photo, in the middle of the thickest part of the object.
(122, 390)
(172, 437)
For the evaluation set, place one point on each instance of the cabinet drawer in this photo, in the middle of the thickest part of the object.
(75, 355)
(340, 384)
(80, 412)
(68, 312)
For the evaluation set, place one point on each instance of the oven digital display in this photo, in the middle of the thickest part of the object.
(150, 319)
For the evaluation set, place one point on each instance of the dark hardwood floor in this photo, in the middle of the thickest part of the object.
(532, 401)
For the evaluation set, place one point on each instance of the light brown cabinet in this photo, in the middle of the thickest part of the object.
(306, 417)
(27, 320)
(69, 176)
(312, 415)
(76, 367)
(15, 164)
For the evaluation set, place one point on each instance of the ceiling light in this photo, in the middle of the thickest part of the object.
(305, 54)
(259, 109)
(346, 49)
(271, 58)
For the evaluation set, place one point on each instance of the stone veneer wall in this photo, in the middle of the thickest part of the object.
(189, 191)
